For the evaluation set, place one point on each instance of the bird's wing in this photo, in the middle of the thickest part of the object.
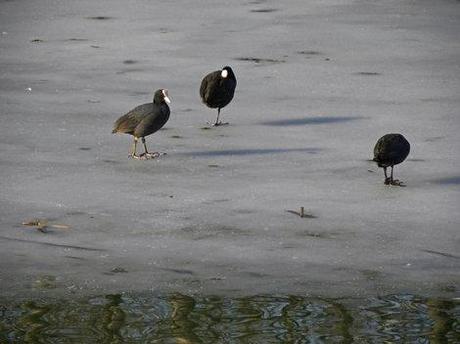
(154, 121)
(203, 87)
(208, 84)
(128, 122)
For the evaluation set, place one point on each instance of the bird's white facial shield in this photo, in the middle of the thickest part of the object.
(166, 97)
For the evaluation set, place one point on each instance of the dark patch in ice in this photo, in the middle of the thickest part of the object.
(416, 160)
(258, 2)
(447, 255)
(71, 213)
(288, 246)
(95, 46)
(311, 120)
(211, 231)
(118, 270)
(264, 10)
(164, 30)
(99, 18)
(244, 211)
(434, 138)
(259, 60)
(309, 52)
(186, 110)
(221, 200)
(111, 161)
(130, 70)
(176, 137)
(76, 258)
(138, 93)
(37, 40)
(179, 271)
(77, 40)
(54, 245)
(367, 73)
(84, 148)
(449, 180)
(129, 61)
(213, 166)
(433, 99)
(256, 151)
(314, 235)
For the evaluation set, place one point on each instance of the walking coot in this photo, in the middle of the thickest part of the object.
(144, 120)
(217, 89)
(390, 150)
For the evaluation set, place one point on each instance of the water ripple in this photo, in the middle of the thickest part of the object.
(180, 318)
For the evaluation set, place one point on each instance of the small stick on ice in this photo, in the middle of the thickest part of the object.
(42, 225)
(302, 213)
(60, 226)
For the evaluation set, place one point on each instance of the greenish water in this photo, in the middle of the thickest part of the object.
(183, 319)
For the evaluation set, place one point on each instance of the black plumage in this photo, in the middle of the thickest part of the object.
(217, 89)
(390, 150)
(144, 120)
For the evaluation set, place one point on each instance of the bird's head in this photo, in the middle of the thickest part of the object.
(227, 72)
(161, 96)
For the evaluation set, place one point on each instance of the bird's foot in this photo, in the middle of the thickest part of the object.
(394, 182)
(397, 182)
(217, 124)
(146, 156)
(134, 156)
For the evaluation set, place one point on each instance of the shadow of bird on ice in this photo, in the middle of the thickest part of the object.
(311, 120)
(255, 151)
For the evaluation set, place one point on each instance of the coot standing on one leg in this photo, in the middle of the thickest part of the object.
(217, 89)
(390, 150)
(144, 120)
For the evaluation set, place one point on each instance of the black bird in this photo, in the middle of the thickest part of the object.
(144, 120)
(390, 150)
(217, 89)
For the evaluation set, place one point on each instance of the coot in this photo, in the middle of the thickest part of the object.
(390, 150)
(217, 89)
(144, 120)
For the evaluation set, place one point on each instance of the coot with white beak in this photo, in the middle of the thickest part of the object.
(144, 120)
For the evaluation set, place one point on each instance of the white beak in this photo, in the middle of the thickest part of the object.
(224, 73)
(166, 98)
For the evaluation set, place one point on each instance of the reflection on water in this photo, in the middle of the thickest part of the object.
(183, 319)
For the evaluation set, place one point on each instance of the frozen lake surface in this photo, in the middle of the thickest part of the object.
(318, 83)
